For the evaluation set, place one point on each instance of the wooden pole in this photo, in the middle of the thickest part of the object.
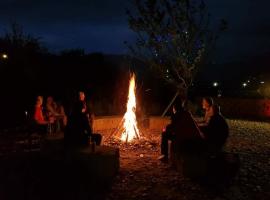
(170, 104)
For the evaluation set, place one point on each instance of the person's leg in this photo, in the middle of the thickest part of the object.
(96, 137)
(85, 124)
(165, 137)
(57, 125)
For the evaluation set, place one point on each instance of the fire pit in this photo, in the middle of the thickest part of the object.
(128, 127)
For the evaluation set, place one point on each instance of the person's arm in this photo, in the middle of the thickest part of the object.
(210, 128)
(52, 110)
(38, 116)
(198, 130)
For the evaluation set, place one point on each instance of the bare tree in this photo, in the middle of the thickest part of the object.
(173, 38)
(16, 40)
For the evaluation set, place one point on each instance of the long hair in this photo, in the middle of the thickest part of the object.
(209, 100)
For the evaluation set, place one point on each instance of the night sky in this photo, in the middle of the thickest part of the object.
(101, 25)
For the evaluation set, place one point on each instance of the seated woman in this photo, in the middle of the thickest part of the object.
(56, 112)
(41, 124)
(207, 103)
(216, 132)
(60, 109)
(51, 107)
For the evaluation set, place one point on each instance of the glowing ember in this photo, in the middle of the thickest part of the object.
(131, 130)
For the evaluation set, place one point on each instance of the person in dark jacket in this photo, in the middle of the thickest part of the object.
(79, 130)
(168, 133)
(183, 130)
(216, 132)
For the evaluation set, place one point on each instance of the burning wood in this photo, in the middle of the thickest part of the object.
(131, 130)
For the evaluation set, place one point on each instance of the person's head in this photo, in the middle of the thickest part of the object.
(207, 102)
(178, 105)
(81, 96)
(49, 100)
(216, 109)
(39, 100)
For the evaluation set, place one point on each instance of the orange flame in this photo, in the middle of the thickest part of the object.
(131, 130)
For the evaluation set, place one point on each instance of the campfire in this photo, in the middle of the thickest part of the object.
(129, 122)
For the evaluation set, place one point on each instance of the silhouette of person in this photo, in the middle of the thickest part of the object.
(78, 130)
(57, 112)
(216, 132)
(183, 130)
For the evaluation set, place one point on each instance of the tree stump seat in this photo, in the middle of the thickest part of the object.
(189, 164)
(99, 166)
(223, 166)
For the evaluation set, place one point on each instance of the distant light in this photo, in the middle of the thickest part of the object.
(244, 85)
(26, 113)
(4, 56)
(262, 82)
(215, 84)
(248, 81)
(219, 93)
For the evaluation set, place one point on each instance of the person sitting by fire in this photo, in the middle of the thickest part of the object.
(216, 132)
(61, 110)
(78, 130)
(55, 111)
(41, 124)
(207, 103)
(182, 130)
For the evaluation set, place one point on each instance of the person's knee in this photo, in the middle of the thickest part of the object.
(165, 134)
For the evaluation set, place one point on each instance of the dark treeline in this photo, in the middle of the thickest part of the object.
(104, 78)
(27, 69)
(30, 70)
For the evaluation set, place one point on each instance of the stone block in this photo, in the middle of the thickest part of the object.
(99, 166)
(103, 163)
(158, 123)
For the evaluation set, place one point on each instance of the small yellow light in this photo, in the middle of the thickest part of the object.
(4, 56)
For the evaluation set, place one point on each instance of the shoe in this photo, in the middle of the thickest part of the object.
(163, 158)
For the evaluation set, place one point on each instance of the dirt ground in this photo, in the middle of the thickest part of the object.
(143, 176)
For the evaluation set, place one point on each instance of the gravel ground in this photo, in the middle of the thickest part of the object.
(142, 176)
